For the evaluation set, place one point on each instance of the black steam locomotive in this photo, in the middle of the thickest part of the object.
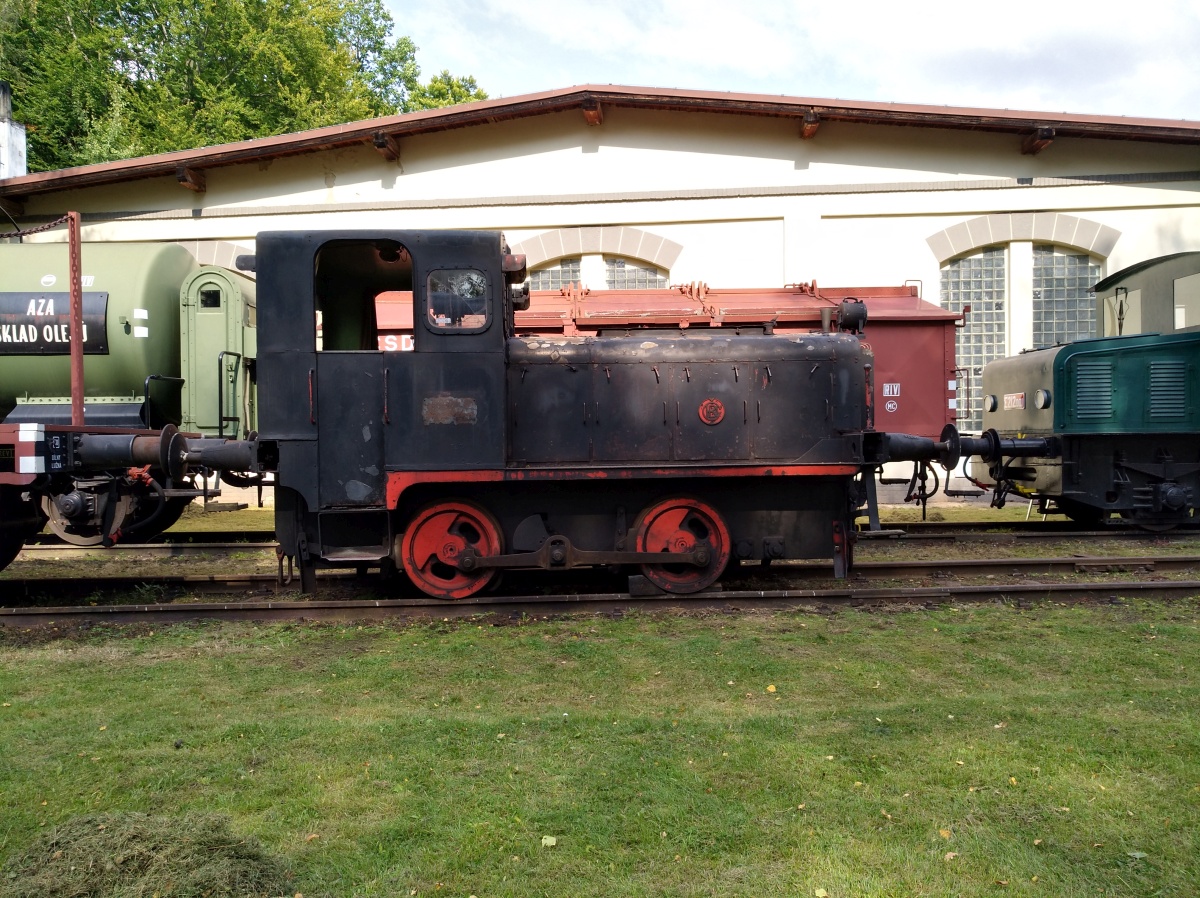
(678, 451)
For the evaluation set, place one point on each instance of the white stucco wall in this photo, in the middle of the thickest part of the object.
(750, 203)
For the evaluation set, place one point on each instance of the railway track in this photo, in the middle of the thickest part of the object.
(514, 607)
(953, 531)
(260, 597)
(869, 570)
(162, 549)
(170, 538)
(908, 530)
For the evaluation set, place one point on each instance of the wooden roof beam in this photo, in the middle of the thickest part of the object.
(11, 207)
(809, 124)
(191, 178)
(592, 113)
(1037, 141)
(388, 145)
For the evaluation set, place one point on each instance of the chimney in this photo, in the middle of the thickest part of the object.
(12, 138)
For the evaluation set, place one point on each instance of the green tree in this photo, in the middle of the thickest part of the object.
(444, 90)
(95, 80)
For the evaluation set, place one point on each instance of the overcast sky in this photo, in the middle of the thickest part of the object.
(1101, 57)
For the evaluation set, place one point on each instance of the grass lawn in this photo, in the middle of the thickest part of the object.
(958, 752)
(196, 519)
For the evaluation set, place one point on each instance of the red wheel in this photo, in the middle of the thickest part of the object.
(437, 536)
(680, 525)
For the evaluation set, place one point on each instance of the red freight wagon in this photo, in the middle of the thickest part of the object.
(913, 340)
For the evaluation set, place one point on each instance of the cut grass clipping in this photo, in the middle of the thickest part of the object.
(135, 855)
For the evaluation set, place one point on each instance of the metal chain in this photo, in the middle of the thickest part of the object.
(37, 230)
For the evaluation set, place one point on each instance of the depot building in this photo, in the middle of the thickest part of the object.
(1015, 215)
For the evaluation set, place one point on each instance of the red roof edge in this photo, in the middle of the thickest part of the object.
(382, 132)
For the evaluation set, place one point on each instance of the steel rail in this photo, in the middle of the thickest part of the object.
(171, 537)
(184, 543)
(908, 530)
(1024, 567)
(969, 530)
(868, 570)
(716, 600)
(47, 551)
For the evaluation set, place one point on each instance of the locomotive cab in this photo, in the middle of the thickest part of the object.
(338, 410)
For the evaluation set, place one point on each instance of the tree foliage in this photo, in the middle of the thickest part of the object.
(444, 90)
(96, 80)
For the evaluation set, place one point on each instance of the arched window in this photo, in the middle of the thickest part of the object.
(556, 275)
(618, 273)
(1029, 286)
(979, 281)
(1064, 304)
(629, 274)
(613, 257)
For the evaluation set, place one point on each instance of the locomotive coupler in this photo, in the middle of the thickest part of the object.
(557, 553)
(170, 450)
(1000, 493)
(221, 455)
(918, 486)
(952, 446)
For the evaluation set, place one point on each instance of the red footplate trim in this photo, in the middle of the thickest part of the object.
(399, 481)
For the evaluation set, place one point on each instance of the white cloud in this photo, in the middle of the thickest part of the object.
(1073, 56)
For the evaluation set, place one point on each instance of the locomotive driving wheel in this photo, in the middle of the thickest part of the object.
(683, 524)
(438, 536)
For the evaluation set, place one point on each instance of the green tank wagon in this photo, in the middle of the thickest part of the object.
(167, 343)
(150, 311)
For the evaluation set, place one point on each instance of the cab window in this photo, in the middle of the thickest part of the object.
(457, 300)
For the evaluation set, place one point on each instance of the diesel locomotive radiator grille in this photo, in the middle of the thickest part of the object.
(1093, 390)
(1168, 389)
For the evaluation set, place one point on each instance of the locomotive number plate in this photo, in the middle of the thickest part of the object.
(1014, 401)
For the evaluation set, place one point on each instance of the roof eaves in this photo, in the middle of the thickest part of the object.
(489, 111)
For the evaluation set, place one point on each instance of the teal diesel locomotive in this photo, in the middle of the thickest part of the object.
(1121, 412)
